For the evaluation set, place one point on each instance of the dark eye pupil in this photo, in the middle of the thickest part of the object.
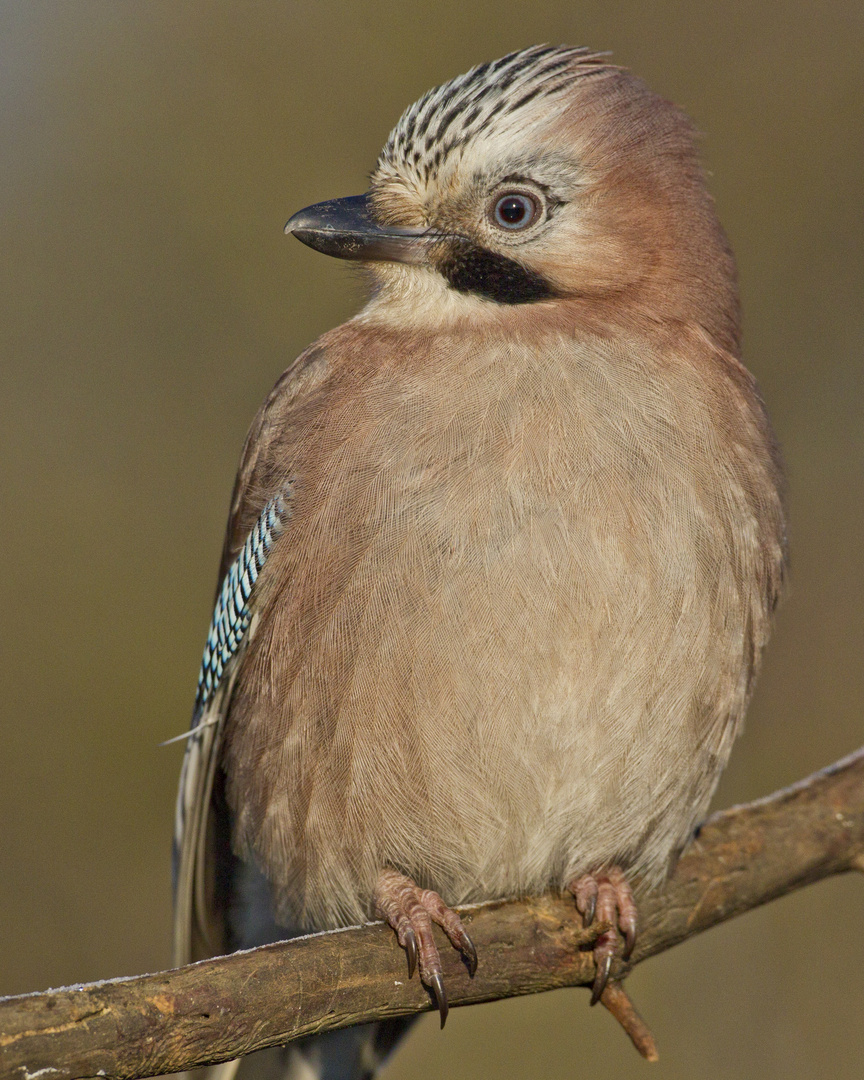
(514, 211)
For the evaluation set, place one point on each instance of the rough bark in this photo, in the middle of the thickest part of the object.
(220, 1008)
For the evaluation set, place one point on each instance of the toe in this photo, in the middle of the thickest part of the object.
(452, 926)
(584, 890)
(625, 907)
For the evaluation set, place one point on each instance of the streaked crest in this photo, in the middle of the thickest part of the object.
(494, 93)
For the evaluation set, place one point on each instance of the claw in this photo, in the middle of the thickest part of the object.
(470, 953)
(590, 911)
(604, 966)
(437, 985)
(629, 942)
(411, 950)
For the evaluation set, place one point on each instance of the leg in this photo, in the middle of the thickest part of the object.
(606, 896)
(411, 911)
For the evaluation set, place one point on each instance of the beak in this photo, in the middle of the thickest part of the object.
(345, 228)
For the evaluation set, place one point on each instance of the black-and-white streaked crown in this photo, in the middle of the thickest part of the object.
(450, 115)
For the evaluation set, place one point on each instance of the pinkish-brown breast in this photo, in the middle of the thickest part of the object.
(509, 632)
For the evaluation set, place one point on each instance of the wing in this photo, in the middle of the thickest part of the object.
(231, 629)
(201, 843)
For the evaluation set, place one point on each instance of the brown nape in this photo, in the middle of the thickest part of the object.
(652, 240)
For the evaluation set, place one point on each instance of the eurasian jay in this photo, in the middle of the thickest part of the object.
(503, 549)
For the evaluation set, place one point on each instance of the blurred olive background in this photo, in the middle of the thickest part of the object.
(151, 153)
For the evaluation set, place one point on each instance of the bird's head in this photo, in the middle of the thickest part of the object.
(546, 177)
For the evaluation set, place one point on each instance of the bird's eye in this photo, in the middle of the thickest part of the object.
(515, 211)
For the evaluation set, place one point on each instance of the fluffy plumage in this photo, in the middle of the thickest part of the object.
(509, 632)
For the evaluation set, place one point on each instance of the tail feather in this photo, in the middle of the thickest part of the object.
(355, 1053)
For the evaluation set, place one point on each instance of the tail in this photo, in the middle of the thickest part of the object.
(355, 1053)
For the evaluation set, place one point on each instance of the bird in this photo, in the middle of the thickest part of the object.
(503, 549)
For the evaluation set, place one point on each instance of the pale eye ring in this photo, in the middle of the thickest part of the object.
(515, 210)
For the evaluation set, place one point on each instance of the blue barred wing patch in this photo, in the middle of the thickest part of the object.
(232, 614)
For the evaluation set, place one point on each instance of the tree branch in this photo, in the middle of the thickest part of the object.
(221, 1008)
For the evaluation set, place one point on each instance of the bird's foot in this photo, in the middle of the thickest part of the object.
(410, 911)
(607, 897)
